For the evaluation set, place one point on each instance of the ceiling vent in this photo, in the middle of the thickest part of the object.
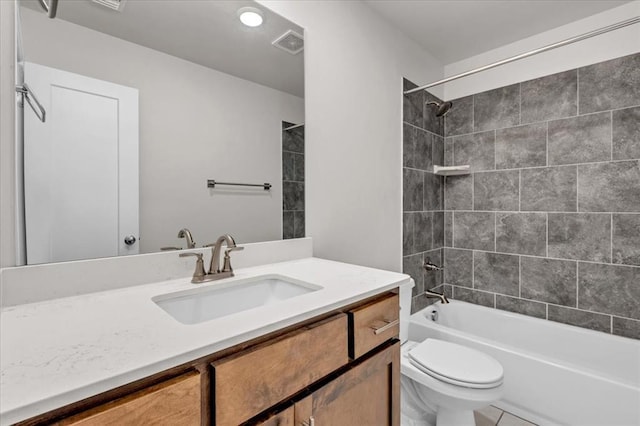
(290, 42)
(116, 5)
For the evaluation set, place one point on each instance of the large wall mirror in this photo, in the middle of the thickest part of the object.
(146, 102)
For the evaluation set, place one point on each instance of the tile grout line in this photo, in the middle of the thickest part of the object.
(611, 135)
(611, 240)
(593, 262)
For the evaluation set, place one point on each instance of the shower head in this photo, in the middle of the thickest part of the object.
(442, 107)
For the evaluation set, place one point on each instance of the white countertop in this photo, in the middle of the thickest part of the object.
(60, 351)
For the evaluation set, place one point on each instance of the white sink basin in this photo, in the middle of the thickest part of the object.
(204, 304)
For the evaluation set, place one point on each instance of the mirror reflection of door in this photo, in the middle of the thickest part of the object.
(80, 168)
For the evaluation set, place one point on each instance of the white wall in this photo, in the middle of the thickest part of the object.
(354, 64)
(7, 132)
(596, 49)
(195, 124)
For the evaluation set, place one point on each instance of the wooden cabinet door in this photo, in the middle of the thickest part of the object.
(366, 395)
(173, 402)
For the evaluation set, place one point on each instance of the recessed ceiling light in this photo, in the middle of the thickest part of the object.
(250, 16)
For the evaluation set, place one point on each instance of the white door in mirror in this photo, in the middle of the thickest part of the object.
(80, 168)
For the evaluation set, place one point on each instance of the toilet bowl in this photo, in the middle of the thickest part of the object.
(443, 382)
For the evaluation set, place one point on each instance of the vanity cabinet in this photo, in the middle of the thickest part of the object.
(173, 402)
(368, 393)
(342, 368)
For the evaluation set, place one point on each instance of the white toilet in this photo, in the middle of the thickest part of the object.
(443, 382)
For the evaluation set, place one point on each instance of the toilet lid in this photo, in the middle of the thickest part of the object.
(456, 364)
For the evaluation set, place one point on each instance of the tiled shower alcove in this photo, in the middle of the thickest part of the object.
(548, 222)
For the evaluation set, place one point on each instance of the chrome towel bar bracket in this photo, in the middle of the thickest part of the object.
(51, 8)
(28, 95)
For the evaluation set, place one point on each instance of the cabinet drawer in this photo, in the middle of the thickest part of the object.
(251, 381)
(373, 324)
(174, 402)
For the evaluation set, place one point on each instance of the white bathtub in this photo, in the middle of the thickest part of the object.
(554, 373)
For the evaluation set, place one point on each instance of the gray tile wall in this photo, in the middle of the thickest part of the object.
(423, 192)
(292, 181)
(548, 222)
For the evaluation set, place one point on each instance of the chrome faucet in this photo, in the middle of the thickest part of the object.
(434, 294)
(215, 273)
(186, 234)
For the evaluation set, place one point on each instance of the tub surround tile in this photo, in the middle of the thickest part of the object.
(287, 225)
(549, 280)
(551, 97)
(626, 134)
(610, 85)
(437, 145)
(423, 151)
(496, 272)
(433, 191)
(448, 151)
(413, 188)
(409, 140)
(476, 150)
(293, 140)
(626, 327)
(497, 108)
(626, 239)
(412, 266)
(412, 105)
(474, 230)
(496, 190)
(458, 267)
(549, 189)
(459, 120)
(472, 296)
(609, 187)
(580, 236)
(433, 279)
(582, 139)
(550, 214)
(287, 166)
(458, 192)
(584, 319)
(432, 123)
(522, 146)
(299, 224)
(298, 167)
(521, 233)
(610, 289)
(423, 231)
(448, 229)
(438, 229)
(521, 306)
(293, 196)
(407, 233)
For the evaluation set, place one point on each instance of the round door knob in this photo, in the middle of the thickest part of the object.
(129, 240)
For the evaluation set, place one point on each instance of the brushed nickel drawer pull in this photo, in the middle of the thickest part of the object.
(387, 326)
(311, 422)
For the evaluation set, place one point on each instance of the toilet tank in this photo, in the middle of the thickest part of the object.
(405, 309)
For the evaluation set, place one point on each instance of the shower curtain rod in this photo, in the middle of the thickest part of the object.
(584, 36)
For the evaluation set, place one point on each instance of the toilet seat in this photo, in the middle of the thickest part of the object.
(455, 364)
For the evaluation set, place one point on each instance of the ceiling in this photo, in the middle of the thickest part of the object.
(458, 29)
(208, 33)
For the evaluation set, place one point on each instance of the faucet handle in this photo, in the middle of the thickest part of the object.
(428, 266)
(198, 274)
(226, 266)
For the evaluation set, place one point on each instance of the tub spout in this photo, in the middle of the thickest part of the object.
(435, 294)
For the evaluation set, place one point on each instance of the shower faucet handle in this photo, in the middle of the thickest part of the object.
(428, 266)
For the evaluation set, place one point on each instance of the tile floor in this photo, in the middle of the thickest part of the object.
(493, 416)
